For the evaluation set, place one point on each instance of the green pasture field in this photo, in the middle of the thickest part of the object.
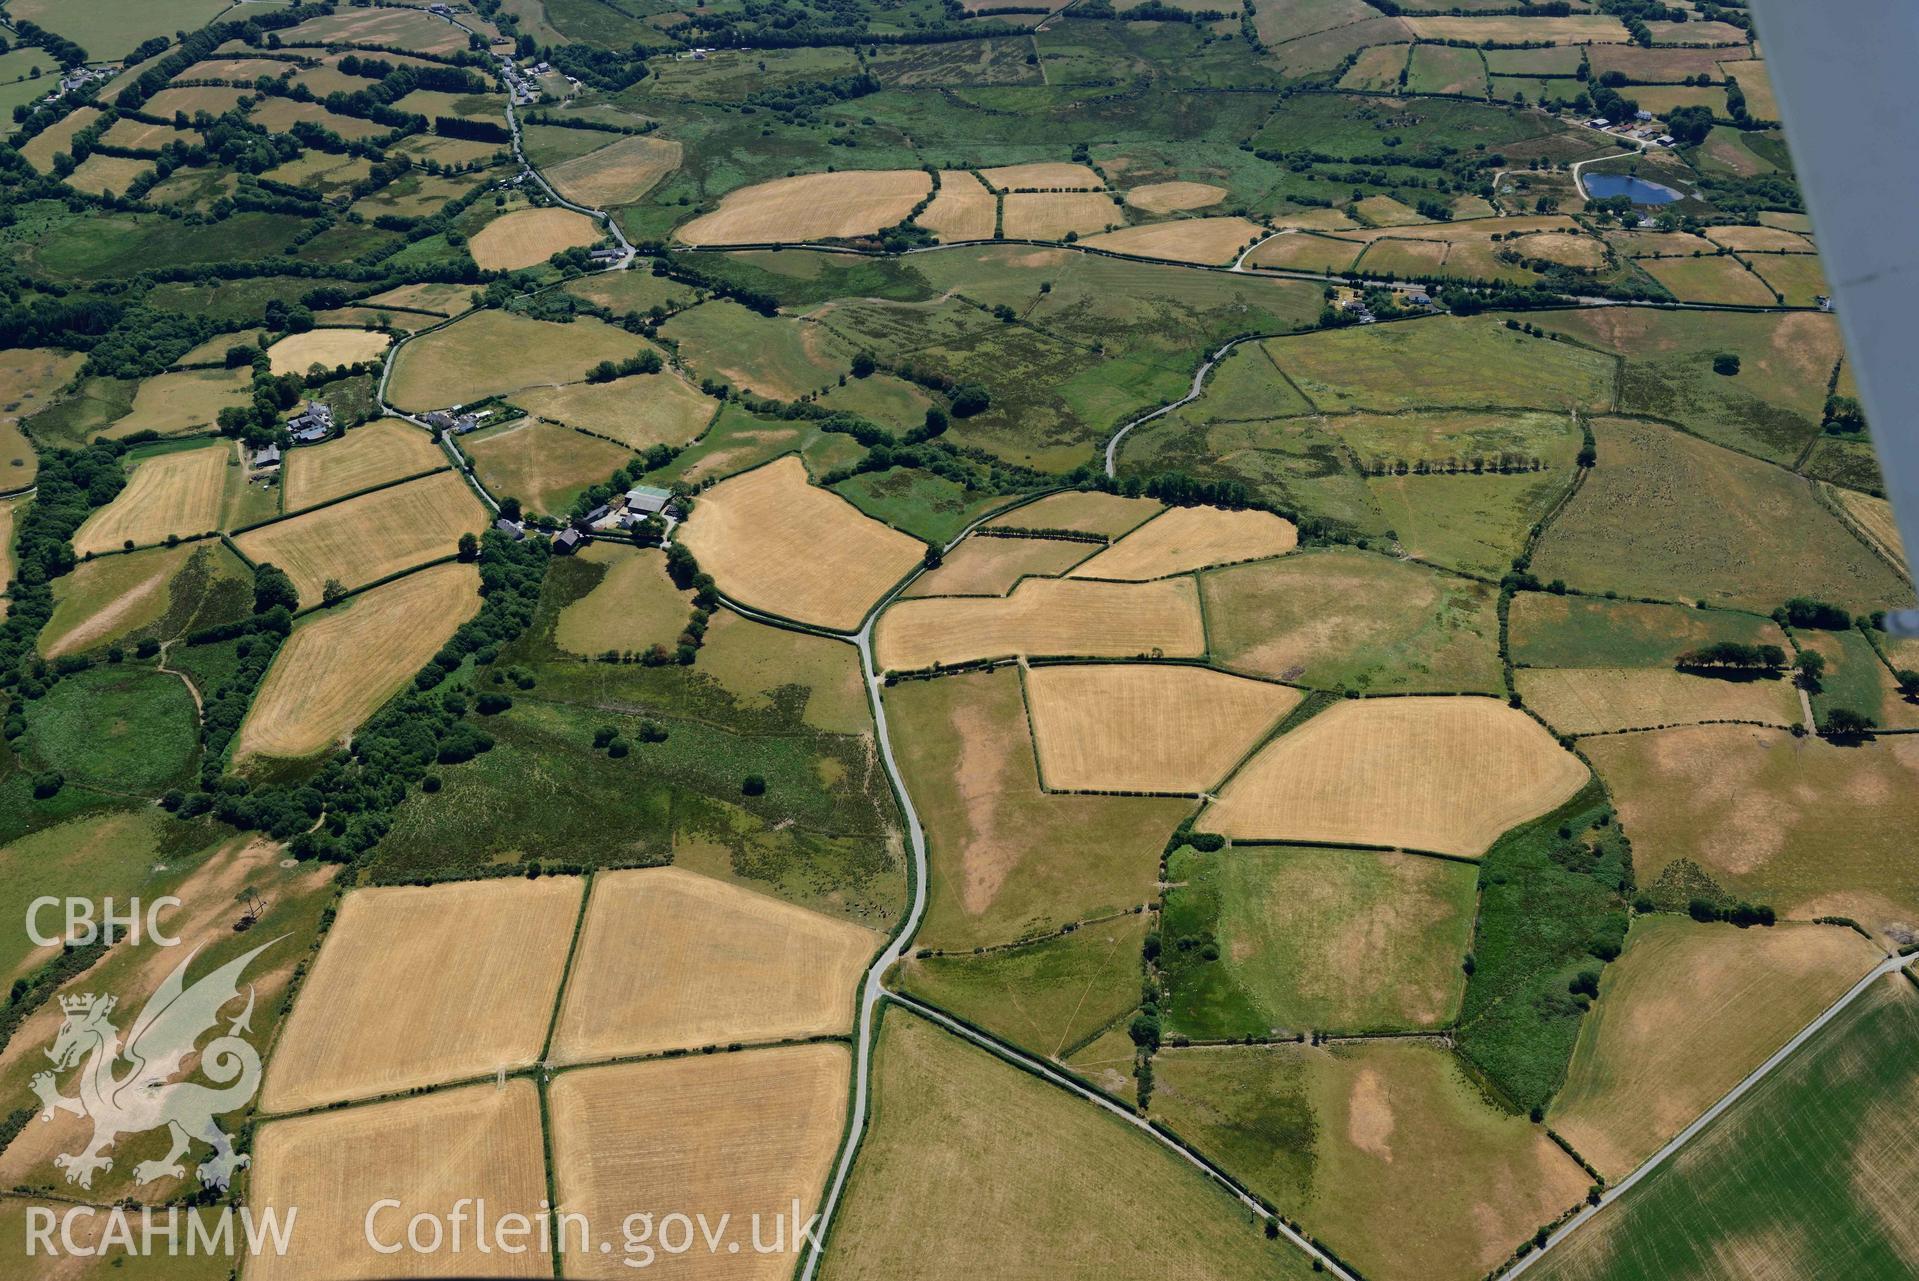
(112, 28)
(728, 75)
(592, 23)
(1559, 60)
(1344, 126)
(492, 352)
(1807, 1172)
(236, 302)
(1049, 997)
(891, 402)
(1261, 940)
(110, 246)
(926, 506)
(771, 356)
(1549, 905)
(1377, 68)
(809, 680)
(1831, 839)
(1383, 1149)
(1796, 278)
(803, 278)
(1475, 524)
(736, 441)
(1718, 278)
(160, 592)
(1545, 630)
(1294, 464)
(1459, 438)
(1443, 362)
(631, 608)
(1344, 619)
(1067, 1189)
(106, 854)
(1444, 69)
(123, 727)
(544, 465)
(548, 145)
(1673, 518)
(1006, 860)
(1246, 387)
(1854, 676)
(622, 292)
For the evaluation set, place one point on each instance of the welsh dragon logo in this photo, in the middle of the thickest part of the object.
(144, 1096)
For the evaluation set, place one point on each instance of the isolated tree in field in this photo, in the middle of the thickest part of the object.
(864, 365)
(1725, 363)
(753, 785)
(469, 547)
(332, 591)
(1811, 666)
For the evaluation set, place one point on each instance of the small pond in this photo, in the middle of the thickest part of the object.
(1602, 186)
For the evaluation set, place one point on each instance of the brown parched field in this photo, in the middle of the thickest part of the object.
(1205, 241)
(617, 174)
(421, 985)
(777, 542)
(296, 353)
(173, 493)
(1147, 727)
(1598, 700)
(339, 667)
(1045, 617)
(722, 964)
(1050, 215)
(527, 237)
(634, 607)
(1683, 1015)
(990, 566)
(639, 411)
(734, 1135)
(1084, 511)
(1188, 538)
(962, 209)
(1448, 775)
(1043, 174)
(813, 206)
(364, 539)
(427, 1153)
(364, 457)
(1174, 197)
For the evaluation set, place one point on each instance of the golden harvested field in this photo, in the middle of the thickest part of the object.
(440, 299)
(722, 964)
(1043, 175)
(493, 352)
(100, 173)
(280, 115)
(427, 1153)
(744, 1135)
(1082, 511)
(639, 411)
(411, 29)
(543, 464)
(172, 493)
(632, 609)
(185, 401)
(963, 210)
(213, 99)
(1174, 197)
(1045, 617)
(774, 541)
(341, 666)
(1306, 251)
(1447, 775)
(39, 150)
(617, 174)
(1576, 29)
(1597, 700)
(1051, 215)
(1683, 1015)
(364, 457)
(990, 566)
(1207, 241)
(813, 206)
(527, 237)
(367, 538)
(1181, 539)
(481, 961)
(1767, 239)
(1872, 517)
(1147, 727)
(1567, 250)
(296, 353)
(1810, 828)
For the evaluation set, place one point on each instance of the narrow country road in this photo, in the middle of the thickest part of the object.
(1199, 385)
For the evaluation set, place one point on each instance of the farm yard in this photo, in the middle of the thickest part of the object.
(1158, 617)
